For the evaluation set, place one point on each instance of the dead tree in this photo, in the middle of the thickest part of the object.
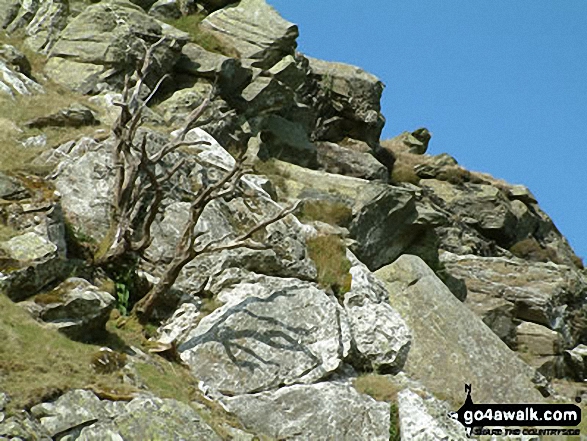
(138, 189)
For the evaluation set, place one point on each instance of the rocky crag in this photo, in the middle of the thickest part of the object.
(401, 277)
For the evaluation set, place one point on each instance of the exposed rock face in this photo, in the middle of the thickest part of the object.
(28, 263)
(353, 107)
(451, 346)
(256, 32)
(543, 293)
(270, 332)
(263, 331)
(344, 161)
(14, 68)
(97, 47)
(76, 115)
(426, 419)
(380, 337)
(82, 415)
(318, 411)
(384, 221)
(75, 307)
(41, 20)
(490, 214)
(415, 142)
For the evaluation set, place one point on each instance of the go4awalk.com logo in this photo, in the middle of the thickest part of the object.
(478, 417)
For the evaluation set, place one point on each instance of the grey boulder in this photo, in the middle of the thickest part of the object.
(270, 332)
(451, 346)
(255, 31)
(28, 263)
(96, 49)
(75, 307)
(322, 411)
(81, 415)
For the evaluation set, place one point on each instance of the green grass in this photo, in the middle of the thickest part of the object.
(37, 364)
(382, 388)
(15, 112)
(329, 255)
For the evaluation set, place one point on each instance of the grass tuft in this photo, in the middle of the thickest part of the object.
(329, 255)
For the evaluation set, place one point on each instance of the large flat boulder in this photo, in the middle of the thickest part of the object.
(81, 414)
(451, 346)
(270, 332)
(255, 31)
(100, 45)
(320, 411)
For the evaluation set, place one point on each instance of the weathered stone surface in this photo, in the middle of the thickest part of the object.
(343, 161)
(415, 142)
(287, 141)
(176, 108)
(380, 337)
(353, 102)
(541, 348)
(576, 362)
(85, 181)
(75, 307)
(384, 218)
(450, 345)
(543, 293)
(165, 9)
(538, 339)
(76, 115)
(313, 412)
(28, 263)
(44, 28)
(8, 12)
(270, 332)
(82, 416)
(13, 82)
(385, 226)
(490, 209)
(265, 95)
(426, 419)
(498, 314)
(231, 75)
(97, 47)
(11, 188)
(15, 59)
(22, 427)
(256, 32)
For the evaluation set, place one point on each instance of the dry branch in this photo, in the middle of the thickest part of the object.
(139, 192)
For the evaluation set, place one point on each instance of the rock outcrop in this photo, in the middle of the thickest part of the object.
(399, 278)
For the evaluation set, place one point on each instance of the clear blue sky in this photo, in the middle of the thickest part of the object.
(502, 84)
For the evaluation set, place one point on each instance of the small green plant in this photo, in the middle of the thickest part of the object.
(329, 254)
(123, 283)
(394, 429)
